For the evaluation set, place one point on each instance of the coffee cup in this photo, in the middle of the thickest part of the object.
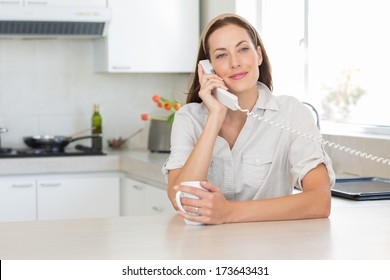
(180, 194)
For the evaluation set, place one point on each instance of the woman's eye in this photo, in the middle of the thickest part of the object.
(244, 49)
(220, 55)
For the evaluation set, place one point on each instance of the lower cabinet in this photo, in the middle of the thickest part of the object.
(78, 198)
(138, 198)
(17, 200)
(59, 197)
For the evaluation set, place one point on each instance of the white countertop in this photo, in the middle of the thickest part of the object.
(139, 164)
(355, 230)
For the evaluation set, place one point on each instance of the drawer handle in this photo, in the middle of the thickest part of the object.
(10, 2)
(22, 185)
(158, 209)
(50, 185)
(121, 67)
(137, 187)
(37, 2)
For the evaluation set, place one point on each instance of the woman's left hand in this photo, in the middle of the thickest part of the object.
(212, 206)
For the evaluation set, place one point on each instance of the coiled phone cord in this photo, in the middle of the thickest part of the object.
(317, 139)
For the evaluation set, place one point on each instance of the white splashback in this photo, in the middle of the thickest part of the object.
(49, 87)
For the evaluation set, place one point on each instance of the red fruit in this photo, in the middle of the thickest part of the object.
(177, 106)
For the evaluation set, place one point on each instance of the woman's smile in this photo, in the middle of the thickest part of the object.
(238, 76)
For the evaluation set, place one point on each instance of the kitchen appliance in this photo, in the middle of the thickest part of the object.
(29, 21)
(52, 143)
(78, 150)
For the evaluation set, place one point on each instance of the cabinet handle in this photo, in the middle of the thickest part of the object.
(22, 185)
(10, 2)
(37, 2)
(137, 187)
(158, 209)
(121, 67)
(50, 185)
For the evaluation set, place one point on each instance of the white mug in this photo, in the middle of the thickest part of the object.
(179, 194)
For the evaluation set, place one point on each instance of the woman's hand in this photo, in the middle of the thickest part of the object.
(212, 206)
(208, 82)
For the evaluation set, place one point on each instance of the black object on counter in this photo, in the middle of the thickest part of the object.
(362, 188)
(51, 143)
(30, 153)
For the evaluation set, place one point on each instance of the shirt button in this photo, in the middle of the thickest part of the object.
(258, 160)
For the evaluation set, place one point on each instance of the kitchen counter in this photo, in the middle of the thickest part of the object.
(138, 163)
(355, 230)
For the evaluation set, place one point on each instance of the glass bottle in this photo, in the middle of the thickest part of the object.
(97, 122)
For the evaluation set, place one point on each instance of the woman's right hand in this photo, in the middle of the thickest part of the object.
(208, 82)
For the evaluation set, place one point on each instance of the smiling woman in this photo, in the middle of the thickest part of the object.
(214, 145)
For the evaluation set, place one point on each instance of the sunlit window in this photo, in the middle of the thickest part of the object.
(334, 54)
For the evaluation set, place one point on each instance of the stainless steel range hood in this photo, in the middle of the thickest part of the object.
(53, 22)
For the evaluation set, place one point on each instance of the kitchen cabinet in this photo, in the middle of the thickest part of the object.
(138, 198)
(59, 197)
(17, 199)
(149, 36)
(76, 198)
(157, 201)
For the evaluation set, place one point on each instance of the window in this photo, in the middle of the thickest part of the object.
(333, 54)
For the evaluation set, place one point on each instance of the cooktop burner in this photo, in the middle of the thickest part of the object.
(79, 150)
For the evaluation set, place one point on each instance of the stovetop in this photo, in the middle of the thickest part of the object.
(78, 150)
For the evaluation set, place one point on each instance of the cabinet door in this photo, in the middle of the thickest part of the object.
(132, 197)
(150, 36)
(157, 202)
(75, 198)
(17, 200)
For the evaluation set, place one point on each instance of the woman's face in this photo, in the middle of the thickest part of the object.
(235, 58)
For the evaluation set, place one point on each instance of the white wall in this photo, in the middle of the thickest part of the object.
(49, 87)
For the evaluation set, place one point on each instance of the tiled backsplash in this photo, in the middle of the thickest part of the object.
(49, 87)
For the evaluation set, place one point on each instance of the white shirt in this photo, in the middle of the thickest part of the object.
(265, 161)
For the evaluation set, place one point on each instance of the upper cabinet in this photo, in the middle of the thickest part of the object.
(150, 36)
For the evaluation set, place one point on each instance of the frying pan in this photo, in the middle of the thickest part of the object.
(52, 143)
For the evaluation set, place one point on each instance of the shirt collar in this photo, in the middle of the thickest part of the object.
(266, 99)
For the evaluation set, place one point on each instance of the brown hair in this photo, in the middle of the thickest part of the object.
(203, 53)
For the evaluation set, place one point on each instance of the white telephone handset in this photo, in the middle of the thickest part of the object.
(223, 96)
(231, 101)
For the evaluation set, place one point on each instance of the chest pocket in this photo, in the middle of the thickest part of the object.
(256, 168)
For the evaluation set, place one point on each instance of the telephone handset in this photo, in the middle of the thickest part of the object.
(223, 96)
(231, 101)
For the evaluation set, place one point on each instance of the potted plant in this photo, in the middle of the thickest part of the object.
(160, 127)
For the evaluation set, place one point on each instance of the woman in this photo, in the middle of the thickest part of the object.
(249, 167)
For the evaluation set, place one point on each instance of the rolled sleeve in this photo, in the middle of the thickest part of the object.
(176, 159)
(305, 153)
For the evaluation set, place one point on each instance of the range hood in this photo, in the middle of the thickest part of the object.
(53, 22)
